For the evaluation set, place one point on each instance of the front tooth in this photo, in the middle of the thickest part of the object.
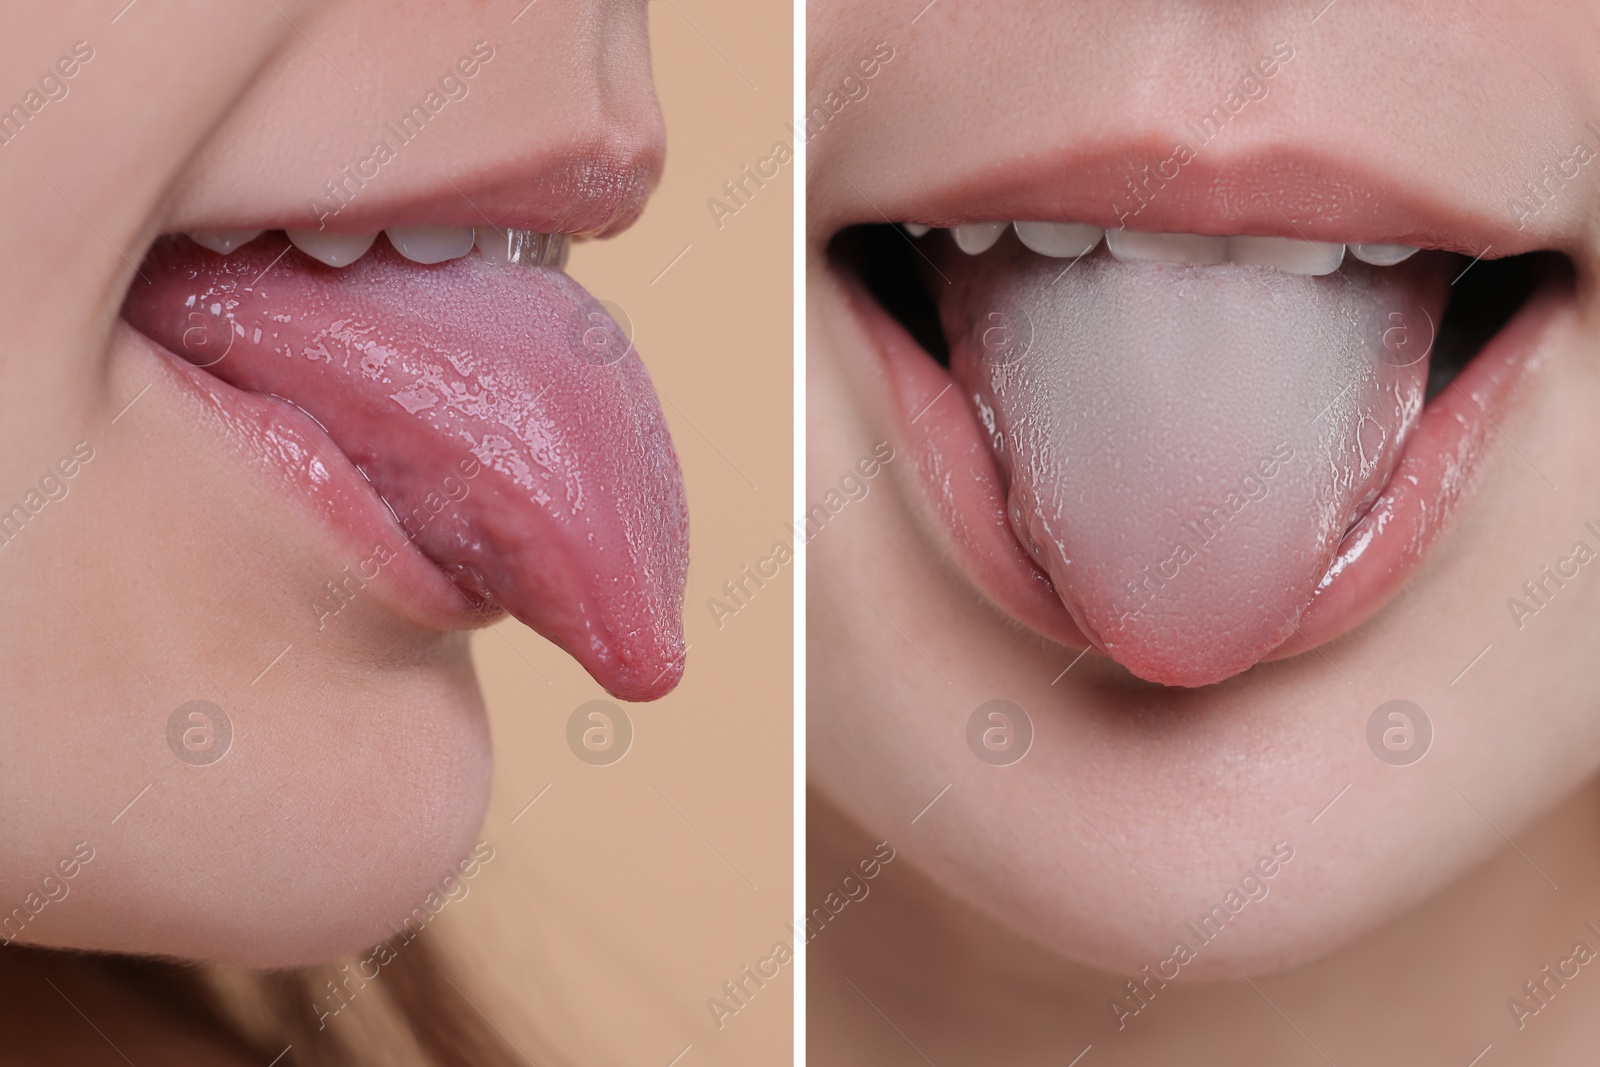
(1059, 239)
(1382, 255)
(430, 244)
(1129, 245)
(223, 241)
(334, 249)
(1288, 254)
(916, 229)
(977, 237)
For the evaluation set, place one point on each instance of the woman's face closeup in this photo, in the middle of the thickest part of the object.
(298, 393)
(1234, 577)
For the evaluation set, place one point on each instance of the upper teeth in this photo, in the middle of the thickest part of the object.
(420, 244)
(223, 241)
(1382, 255)
(431, 244)
(1167, 247)
(1287, 254)
(334, 249)
(977, 237)
(1061, 239)
(1071, 239)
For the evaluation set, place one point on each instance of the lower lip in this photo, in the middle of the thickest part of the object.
(289, 448)
(961, 492)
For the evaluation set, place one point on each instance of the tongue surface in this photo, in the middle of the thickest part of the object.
(1185, 446)
(497, 410)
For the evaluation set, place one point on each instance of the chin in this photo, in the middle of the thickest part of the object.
(1214, 918)
(344, 816)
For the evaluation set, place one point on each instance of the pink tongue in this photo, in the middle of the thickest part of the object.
(499, 412)
(1186, 446)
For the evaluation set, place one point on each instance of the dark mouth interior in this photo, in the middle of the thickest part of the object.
(1482, 300)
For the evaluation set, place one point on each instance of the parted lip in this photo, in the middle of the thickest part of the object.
(1294, 192)
(597, 186)
(958, 489)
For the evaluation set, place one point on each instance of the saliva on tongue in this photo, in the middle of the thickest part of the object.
(499, 412)
(1185, 447)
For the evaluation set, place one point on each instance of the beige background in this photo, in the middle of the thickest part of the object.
(625, 897)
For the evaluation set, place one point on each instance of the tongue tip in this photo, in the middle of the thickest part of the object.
(640, 687)
(1188, 649)
(1172, 661)
(1186, 668)
(1188, 677)
(643, 674)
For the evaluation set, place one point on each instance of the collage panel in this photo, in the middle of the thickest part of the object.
(396, 439)
(1198, 616)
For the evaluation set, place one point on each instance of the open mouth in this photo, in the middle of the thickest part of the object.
(1193, 452)
(472, 422)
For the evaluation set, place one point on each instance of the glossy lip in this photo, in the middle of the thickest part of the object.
(1285, 192)
(596, 190)
(957, 474)
(961, 495)
(290, 447)
(1439, 468)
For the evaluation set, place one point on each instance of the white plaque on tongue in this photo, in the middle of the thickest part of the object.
(1184, 446)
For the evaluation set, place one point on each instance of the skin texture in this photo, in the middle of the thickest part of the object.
(1029, 894)
(176, 568)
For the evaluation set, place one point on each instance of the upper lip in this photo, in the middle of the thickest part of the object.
(1313, 192)
(598, 189)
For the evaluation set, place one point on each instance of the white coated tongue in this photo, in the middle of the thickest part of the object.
(1185, 446)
